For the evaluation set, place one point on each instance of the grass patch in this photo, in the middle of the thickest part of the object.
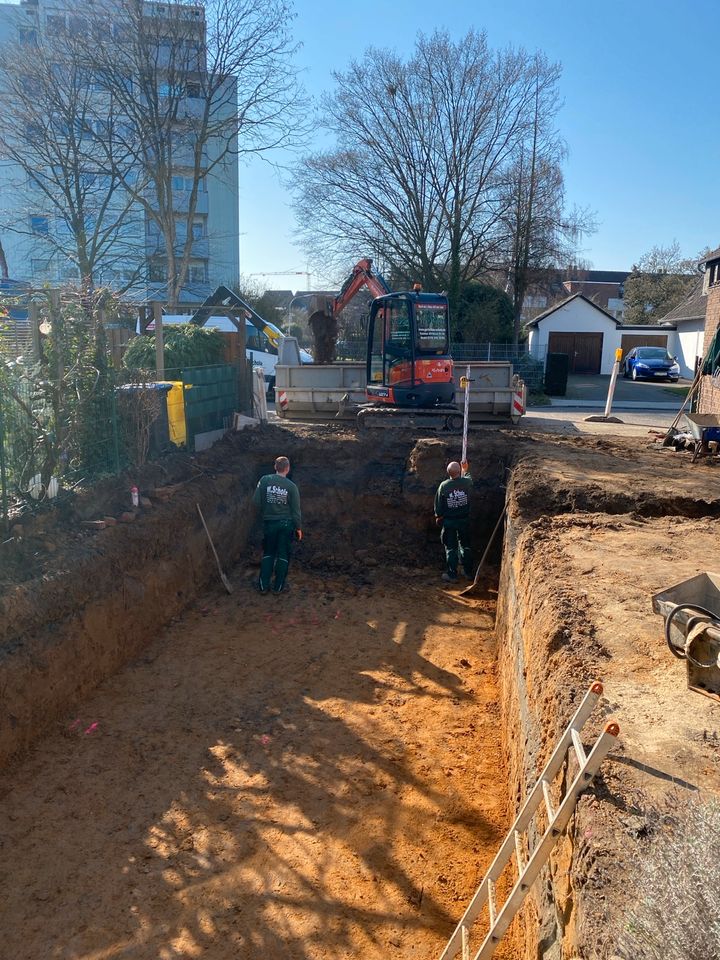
(677, 390)
(538, 400)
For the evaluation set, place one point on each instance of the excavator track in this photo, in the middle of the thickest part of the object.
(447, 418)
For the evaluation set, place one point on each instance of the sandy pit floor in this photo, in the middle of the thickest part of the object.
(316, 775)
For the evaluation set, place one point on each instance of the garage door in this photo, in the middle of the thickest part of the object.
(627, 342)
(584, 350)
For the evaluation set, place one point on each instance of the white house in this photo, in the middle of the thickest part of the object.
(581, 329)
(590, 336)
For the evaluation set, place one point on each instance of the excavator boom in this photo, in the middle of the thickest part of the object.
(224, 299)
(324, 311)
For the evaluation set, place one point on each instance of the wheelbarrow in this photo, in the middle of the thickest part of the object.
(705, 429)
(691, 613)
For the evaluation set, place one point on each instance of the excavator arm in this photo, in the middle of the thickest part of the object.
(225, 300)
(324, 312)
(362, 276)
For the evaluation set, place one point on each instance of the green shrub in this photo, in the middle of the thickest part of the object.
(184, 346)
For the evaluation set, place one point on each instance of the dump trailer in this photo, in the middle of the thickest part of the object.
(337, 391)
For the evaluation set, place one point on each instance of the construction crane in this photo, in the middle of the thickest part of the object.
(285, 273)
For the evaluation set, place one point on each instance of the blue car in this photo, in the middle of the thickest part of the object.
(651, 363)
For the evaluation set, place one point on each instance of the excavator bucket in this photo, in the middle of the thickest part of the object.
(324, 328)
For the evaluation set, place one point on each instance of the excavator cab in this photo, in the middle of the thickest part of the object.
(408, 351)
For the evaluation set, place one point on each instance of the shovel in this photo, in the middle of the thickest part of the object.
(226, 582)
(469, 590)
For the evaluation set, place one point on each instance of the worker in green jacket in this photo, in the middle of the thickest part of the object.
(452, 513)
(278, 500)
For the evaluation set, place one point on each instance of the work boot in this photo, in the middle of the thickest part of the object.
(260, 588)
(449, 577)
(283, 588)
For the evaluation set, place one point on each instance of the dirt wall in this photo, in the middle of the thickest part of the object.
(589, 538)
(100, 597)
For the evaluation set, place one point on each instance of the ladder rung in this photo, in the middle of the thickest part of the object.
(518, 851)
(579, 748)
(491, 902)
(548, 800)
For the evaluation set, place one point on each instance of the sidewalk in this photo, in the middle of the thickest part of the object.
(567, 421)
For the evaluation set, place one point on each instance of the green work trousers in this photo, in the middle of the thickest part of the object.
(277, 535)
(455, 537)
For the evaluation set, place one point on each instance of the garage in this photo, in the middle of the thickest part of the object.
(642, 339)
(579, 328)
(583, 349)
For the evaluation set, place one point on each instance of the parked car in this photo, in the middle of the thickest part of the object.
(650, 363)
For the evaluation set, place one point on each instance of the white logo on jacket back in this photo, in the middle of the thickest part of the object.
(276, 494)
(456, 499)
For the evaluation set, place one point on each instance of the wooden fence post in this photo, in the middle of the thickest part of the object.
(159, 342)
(34, 318)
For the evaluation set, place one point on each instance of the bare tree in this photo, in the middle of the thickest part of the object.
(187, 87)
(540, 233)
(72, 206)
(419, 174)
(659, 281)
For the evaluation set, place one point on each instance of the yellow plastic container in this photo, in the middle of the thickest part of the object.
(176, 412)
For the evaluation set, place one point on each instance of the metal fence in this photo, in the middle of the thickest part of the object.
(531, 367)
(55, 435)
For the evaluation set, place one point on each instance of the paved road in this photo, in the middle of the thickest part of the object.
(595, 388)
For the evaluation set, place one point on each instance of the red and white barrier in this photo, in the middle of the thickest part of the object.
(518, 403)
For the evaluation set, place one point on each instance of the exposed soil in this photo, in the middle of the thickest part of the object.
(326, 774)
(312, 775)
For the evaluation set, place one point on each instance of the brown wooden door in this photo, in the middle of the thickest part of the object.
(627, 342)
(584, 350)
(588, 352)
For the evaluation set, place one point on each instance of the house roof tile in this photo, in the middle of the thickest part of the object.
(693, 307)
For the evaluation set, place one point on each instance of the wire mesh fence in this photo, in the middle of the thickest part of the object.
(531, 367)
(56, 435)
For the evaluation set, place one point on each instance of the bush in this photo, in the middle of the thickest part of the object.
(483, 313)
(184, 346)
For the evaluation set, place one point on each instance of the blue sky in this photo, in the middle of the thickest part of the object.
(640, 113)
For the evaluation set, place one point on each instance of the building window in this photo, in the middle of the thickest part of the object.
(55, 23)
(40, 268)
(198, 229)
(69, 272)
(715, 273)
(28, 36)
(185, 184)
(158, 272)
(77, 25)
(198, 272)
(194, 91)
(40, 225)
(152, 228)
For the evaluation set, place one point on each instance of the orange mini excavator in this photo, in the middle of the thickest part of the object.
(409, 367)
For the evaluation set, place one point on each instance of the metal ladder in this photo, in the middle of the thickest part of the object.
(557, 820)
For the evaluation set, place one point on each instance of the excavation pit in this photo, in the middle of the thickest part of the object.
(329, 773)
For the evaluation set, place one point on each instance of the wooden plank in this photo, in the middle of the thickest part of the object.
(159, 343)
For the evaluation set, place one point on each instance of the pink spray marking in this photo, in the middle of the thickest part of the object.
(92, 728)
(75, 724)
(264, 739)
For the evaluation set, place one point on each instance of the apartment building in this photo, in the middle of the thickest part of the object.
(35, 236)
